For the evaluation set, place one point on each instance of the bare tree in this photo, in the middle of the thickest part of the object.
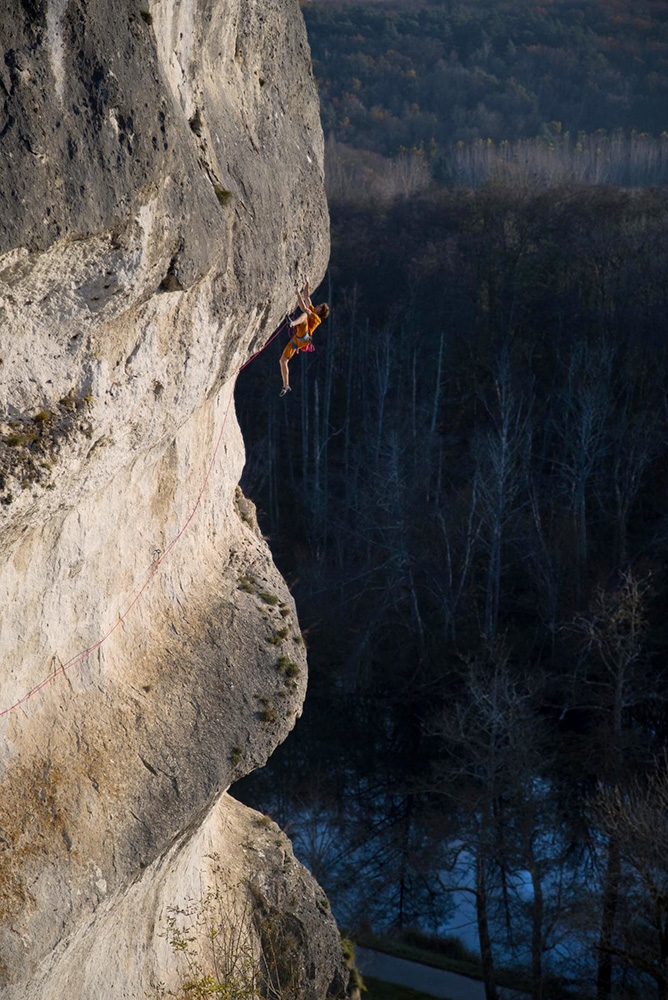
(501, 458)
(486, 737)
(496, 768)
(614, 666)
(635, 819)
(633, 447)
(582, 423)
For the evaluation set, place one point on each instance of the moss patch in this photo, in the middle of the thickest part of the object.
(222, 194)
(30, 442)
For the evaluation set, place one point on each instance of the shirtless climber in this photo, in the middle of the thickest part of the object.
(303, 327)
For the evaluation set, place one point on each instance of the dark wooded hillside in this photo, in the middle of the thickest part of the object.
(467, 489)
(432, 74)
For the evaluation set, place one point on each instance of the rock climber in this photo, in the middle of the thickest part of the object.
(303, 326)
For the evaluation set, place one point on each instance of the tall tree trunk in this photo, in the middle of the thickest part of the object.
(348, 424)
(317, 449)
(613, 861)
(608, 917)
(272, 459)
(536, 932)
(405, 849)
(483, 930)
(436, 399)
(329, 379)
(304, 393)
(501, 854)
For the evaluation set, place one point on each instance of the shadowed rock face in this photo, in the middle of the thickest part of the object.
(160, 196)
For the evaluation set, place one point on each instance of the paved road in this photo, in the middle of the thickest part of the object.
(435, 982)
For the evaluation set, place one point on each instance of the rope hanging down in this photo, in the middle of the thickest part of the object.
(80, 657)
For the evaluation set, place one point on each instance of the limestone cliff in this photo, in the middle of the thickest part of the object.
(161, 194)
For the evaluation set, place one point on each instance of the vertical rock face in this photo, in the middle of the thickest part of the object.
(160, 196)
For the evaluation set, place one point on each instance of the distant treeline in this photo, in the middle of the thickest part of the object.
(430, 74)
(620, 159)
(468, 489)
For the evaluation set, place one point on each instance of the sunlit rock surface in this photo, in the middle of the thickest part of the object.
(161, 195)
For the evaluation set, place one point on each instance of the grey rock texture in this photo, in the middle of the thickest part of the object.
(161, 195)
(231, 859)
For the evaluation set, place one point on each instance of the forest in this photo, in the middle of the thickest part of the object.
(467, 491)
(430, 74)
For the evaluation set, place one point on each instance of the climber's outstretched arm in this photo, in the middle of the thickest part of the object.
(304, 299)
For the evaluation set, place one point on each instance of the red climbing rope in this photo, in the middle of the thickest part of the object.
(156, 565)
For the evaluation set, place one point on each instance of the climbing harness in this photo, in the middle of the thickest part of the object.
(304, 343)
(80, 657)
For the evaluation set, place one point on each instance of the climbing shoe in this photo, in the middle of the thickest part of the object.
(286, 388)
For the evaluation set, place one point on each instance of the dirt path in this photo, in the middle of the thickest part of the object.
(435, 982)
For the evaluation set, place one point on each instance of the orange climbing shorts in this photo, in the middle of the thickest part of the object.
(289, 351)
